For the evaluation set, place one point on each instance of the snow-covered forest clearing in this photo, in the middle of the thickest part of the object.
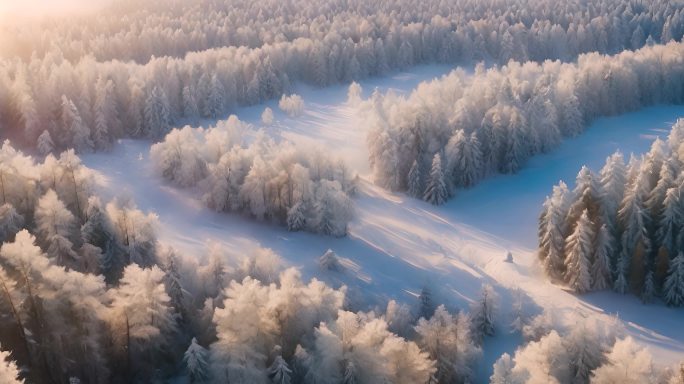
(464, 191)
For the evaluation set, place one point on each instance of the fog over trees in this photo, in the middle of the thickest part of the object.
(494, 120)
(134, 69)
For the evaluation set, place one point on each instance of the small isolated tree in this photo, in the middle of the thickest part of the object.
(293, 105)
(196, 363)
(330, 262)
(426, 305)
(354, 94)
(267, 116)
(483, 312)
(436, 191)
(518, 311)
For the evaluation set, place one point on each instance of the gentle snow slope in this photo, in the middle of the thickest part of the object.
(397, 244)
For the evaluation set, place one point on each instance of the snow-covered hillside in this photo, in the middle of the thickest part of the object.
(397, 245)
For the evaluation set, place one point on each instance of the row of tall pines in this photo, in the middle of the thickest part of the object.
(455, 131)
(622, 228)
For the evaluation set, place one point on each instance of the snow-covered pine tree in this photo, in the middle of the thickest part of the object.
(106, 116)
(601, 267)
(515, 151)
(213, 106)
(296, 217)
(503, 371)
(10, 222)
(656, 199)
(621, 282)
(190, 105)
(56, 227)
(666, 233)
(330, 262)
(141, 313)
(554, 233)
(483, 312)
(196, 363)
(587, 197)
(447, 340)
(627, 362)
(267, 117)
(72, 124)
(518, 311)
(279, 372)
(578, 249)
(585, 351)
(612, 179)
(436, 191)
(426, 306)
(157, 114)
(349, 373)
(45, 144)
(673, 289)
(636, 245)
(415, 182)
(174, 286)
(464, 159)
(648, 291)
(98, 231)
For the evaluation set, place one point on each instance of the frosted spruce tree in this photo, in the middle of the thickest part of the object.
(503, 371)
(279, 372)
(45, 144)
(415, 183)
(553, 230)
(579, 254)
(436, 191)
(483, 312)
(72, 124)
(56, 228)
(601, 267)
(157, 114)
(673, 289)
(447, 340)
(196, 363)
(10, 222)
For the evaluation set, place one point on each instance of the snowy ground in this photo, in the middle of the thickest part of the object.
(397, 244)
